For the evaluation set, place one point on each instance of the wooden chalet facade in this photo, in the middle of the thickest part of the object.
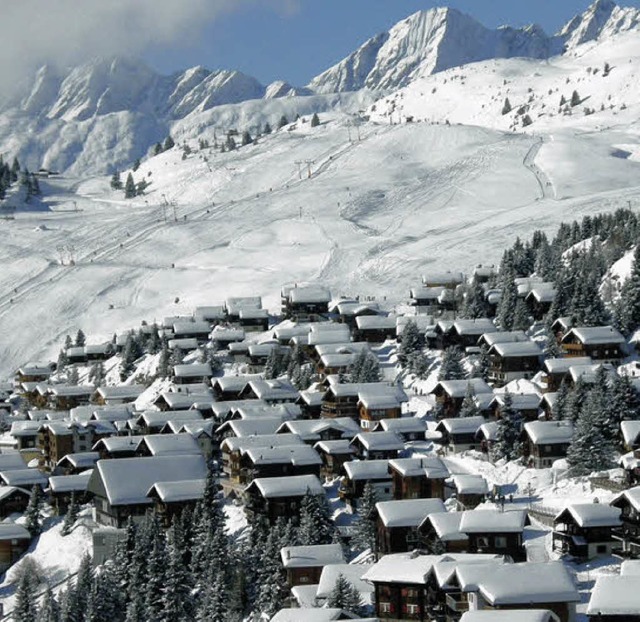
(305, 304)
(495, 532)
(333, 455)
(357, 473)
(450, 394)
(513, 361)
(546, 442)
(171, 498)
(14, 542)
(603, 344)
(13, 499)
(628, 533)
(304, 564)
(418, 478)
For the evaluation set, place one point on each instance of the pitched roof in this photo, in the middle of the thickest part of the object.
(562, 365)
(461, 425)
(70, 483)
(311, 556)
(470, 484)
(512, 615)
(402, 568)
(516, 349)
(616, 595)
(171, 445)
(592, 515)
(458, 388)
(428, 466)
(549, 432)
(291, 486)
(493, 521)
(181, 490)
(379, 441)
(447, 525)
(367, 469)
(407, 512)
(594, 335)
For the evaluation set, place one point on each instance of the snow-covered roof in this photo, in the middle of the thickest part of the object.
(70, 483)
(549, 432)
(63, 390)
(402, 425)
(284, 333)
(376, 322)
(342, 446)
(172, 492)
(515, 349)
(474, 327)
(347, 347)
(421, 292)
(422, 322)
(378, 400)
(493, 521)
(353, 307)
(311, 556)
(309, 615)
(513, 336)
(367, 469)
(588, 373)
(592, 515)
(171, 445)
(11, 461)
(526, 583)
(128, 480)
(311, 429)
(379, 441)
(615, 596)
(156, 418)
(337, 360)
(526, 401)
(630, 431)
(470, 484)
(23, 477)
(328, 333)
(443, 278)
(291, 486)
(276, 389)
(12, 531)
(296, 455)
(543, 292)
(7, 491)
(309, 294)
(250, 313)
(444, 571)
(402, 568)
(251, 427)
(407, 512)
(631, 495)
(427, 466)
(630, 567)
(81, 460)
(562, 366)
(261, 440)
(131, 391)
(185, 343)
(193, 370)
(223, 333)
(512, 615)
(595, 335)
(35, 369)
(461, 425)
(458, 388)
(447, 525)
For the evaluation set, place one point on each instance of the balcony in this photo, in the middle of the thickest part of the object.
(457, 602)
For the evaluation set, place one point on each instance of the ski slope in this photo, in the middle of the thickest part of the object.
(374, 215)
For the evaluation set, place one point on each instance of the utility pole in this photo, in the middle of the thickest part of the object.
(309, 163)
(299, 163)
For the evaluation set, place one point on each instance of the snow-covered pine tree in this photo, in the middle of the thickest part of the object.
(81, 340)
(156, 570)
(116, 182)
(590, 450)
(270, 582)
(345, 595)
(106, 600)
(316, 525)
(213, 603)
(129, 187)
(34, 512)
(63, 360)
(625, 403)
(71, 515)
(283, 121)
(365, 525)
(469, 406)
(508, 444)
(164, 361)
(507, 306)
(365, 368)
(521, 318)
(169, 143)
(506, 108)
(451, 367)
(475, 305)
(49, 608)
(26, 606)
(315, 120)
(629, 308)
(551, 347)
(411, 341)
(483, 364)
(576, 401)
(562, 403)
(246, 138)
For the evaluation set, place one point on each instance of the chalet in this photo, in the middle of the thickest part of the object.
(615, 598)
(527, 405)
(259, 354)
(254, 426)
(562, 326)
(117, 395)
(375, 328)
(305, 304)
(57, 439)
(279, 461)
(539, 300)
(513, 615)
(335, 363)
(201, 431)
(168, 445)
(98, 352)
(423, 323)
(76, 355)
(601, 343)
(310, 403)
(194, 373)
(407, 428)
(348, 310)
(451, 393)
(342, 399)
(11, 460)
(171, 498)
(258, 409)
(555, 371)
(486, 436)
(359, 473)
(25, 434)
(447, 279)
(213, 314)
(459, 434)
(513, 361)
(333, 455)
(239, 352)
(584, 530)
(327, 332)
(63, 489)
(352, 573)
(628, 534)
(228, 388)
(152, 421)
(426, 299)
(111, 414)
(398, 522)
(222, 336)
(304, 564)
(377, 445)
(375, 405)
(312, 613)
(312, 431)
(117, 447)
(547, 585)
(13, 499)
(34, 372)
(465, 333)
(120, 487)
(233, 305)
(275, 497)
(440, 532)
(546, 442)
(65, 397)
(23, 478)
(438, 336)
(14, 542)
(418, 478)
(630, 434)
(198, 330)
(493, 531)
(253, 320)
(284, 334)
(73, 464)
(469, 490)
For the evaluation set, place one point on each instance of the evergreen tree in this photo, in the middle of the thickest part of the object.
(552, 348)
(590, 450)
(365, 368)
(68, 342)
(97, 373)
(73, 377)
(26, 608)
(130, 354)
(507, 444)
(168, 143)
(469, 407)
(49, 608)
(63, 360)
(71, 516)
(164, 361)
(157, 150)
(545, 265)
(316, 526)
(315, 120)
(629, 315)
(625, 403)
(483, 364)
(506, 108)
(267, 129)
(80, 338)
(116, 182)
(130, 187)
(562, 403)
(214, 605)
(230, 143)
(246, 138)
(575, 99)
(283, 121)
(106, 600)
(411, 341)
(475, 305)
(576, 401)
(521, 318)
(136, 165)
(34, 512)
(451, 367)
(508, 301)
(345, 595)
(365, 524)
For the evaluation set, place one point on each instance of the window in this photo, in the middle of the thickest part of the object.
(500, 542)
(483, 542)
(601, 549)
(385, 607)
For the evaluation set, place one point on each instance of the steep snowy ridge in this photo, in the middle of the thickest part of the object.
(428, 42)
(602, 20)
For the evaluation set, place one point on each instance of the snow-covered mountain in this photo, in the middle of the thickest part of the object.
(109, 111)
